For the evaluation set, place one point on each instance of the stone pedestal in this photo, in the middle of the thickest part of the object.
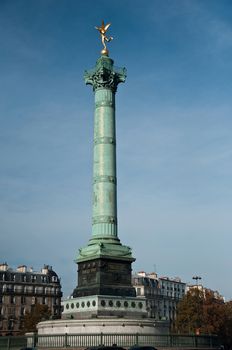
(104, 277)
(95, 306)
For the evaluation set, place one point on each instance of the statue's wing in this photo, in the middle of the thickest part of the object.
(107, 26)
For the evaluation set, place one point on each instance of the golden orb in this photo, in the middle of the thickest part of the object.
(105, 52)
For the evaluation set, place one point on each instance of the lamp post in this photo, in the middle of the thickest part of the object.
(197, 279)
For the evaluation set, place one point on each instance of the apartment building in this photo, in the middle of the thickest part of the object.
(21, 289)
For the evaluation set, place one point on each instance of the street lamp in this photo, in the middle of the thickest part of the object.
(197, 278)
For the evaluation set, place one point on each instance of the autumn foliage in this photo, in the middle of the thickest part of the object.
(203, 312)
(38, 313)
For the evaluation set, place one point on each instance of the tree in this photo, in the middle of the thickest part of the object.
(213, 313)
(38, 313)
(225, 333)
(199, 312)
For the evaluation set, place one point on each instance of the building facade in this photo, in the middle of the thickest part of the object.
(162, 294)
(21, 289)
(204, 290)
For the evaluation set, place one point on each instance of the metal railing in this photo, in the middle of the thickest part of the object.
(63, 341)
(13, 342)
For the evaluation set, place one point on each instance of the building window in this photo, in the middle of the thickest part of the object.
(22, 311)
(11, 311)
(10, 325)
(33, 278)
(12, 277)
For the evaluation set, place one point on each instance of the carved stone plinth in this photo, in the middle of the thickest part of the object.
(104, 277)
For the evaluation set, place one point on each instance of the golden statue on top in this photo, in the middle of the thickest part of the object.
(102, 30)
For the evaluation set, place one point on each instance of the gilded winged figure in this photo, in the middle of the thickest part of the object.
(102, 30)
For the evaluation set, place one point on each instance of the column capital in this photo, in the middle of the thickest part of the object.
(105, 75)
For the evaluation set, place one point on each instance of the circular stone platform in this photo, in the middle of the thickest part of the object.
(92, 332)
(103, 325)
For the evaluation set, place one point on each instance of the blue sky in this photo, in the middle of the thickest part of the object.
(174, 144)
